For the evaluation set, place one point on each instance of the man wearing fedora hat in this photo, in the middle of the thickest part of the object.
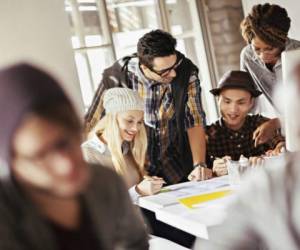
(232, 134)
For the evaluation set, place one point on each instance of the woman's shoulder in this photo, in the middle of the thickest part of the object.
(94, 144)
(246, 52)
(292, 44)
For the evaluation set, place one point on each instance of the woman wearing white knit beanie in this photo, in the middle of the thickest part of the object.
(119, 141)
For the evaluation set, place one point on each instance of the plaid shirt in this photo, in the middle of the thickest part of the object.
(160, 115)
(222, 141)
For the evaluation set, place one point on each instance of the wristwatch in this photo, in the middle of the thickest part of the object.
(200, 164)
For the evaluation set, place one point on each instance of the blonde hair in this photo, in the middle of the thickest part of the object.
(108, 127)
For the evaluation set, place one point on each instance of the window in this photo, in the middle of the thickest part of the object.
(105, 30)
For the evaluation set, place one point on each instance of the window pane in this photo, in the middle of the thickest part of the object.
(182, 26)
(85, 23)
(129, 20)
(84, 77)
(90, 65)
(99, 59)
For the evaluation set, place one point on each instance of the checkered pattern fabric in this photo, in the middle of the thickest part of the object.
(160, 116)
(163, 159)
(223, 141)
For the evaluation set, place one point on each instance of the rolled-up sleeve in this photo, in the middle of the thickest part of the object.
(194, 113)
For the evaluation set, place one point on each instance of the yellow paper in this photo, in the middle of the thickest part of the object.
(197, 199)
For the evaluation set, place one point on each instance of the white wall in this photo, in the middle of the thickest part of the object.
(290, 60)
(38, 31)
(292, 7)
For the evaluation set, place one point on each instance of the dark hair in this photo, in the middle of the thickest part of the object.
(269, 22)
(59, 112)
(156, 43)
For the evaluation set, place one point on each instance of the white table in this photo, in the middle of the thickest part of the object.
(195, 221)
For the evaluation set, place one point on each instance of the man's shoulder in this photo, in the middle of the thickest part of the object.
(256, 119)
(116, 74)
(214, 128)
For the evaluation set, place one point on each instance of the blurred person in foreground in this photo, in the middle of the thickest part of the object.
(266, 214)
(265, 29)
(49, 197)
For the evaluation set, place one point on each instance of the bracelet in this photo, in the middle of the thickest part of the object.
(200, 164)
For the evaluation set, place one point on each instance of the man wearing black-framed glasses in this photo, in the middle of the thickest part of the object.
(167, 73)
(174, 117)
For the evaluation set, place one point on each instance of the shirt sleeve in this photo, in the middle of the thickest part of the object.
(243, 60)
(194, 113)
(134, 195)
(276, 139)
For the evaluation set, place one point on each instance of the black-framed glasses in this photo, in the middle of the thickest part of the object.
(165, 72)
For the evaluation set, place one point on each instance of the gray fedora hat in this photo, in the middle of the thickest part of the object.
(236, 79)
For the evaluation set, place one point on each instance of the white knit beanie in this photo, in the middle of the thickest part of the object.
(122, 99)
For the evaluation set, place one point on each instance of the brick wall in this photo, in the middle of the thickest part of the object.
(224, 17)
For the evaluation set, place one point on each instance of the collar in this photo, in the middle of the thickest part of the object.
(103, 148)
(242, 130)
(143, 79)
(98, 144)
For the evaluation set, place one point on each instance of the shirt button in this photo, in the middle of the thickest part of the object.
(239, 145)
(157, 92)
(231, 137)
(236, 134)
(242, 136)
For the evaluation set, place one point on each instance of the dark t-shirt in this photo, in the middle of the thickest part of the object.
(77, 239)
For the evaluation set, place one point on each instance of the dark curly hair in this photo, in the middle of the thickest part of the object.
(269, 22)
(156, 43)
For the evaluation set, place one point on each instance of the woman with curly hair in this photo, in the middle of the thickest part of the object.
(265, 29)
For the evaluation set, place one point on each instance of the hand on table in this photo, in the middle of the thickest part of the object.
(200, 174)
(150, 185)
(219, 166)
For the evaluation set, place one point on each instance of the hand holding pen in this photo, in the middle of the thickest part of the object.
(200, 173)
(150, 185)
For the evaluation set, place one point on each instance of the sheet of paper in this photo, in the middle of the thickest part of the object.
(170, 194)
(191, 188)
